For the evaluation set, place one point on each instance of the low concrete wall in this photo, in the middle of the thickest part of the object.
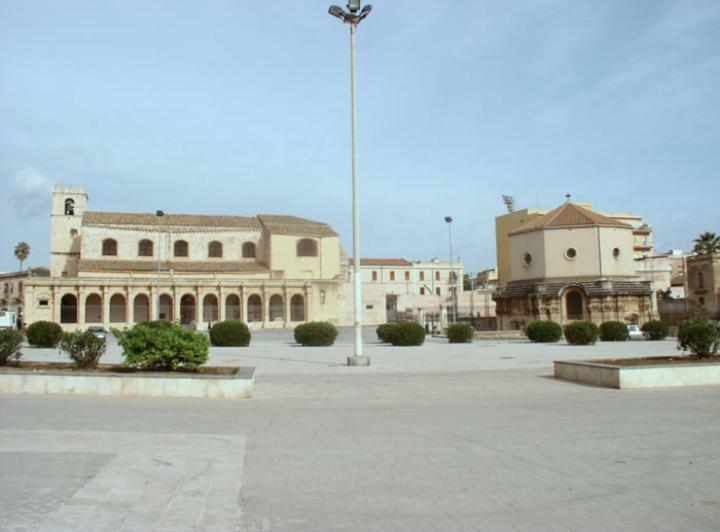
(500, 335)
(18, 381)
(658, 376)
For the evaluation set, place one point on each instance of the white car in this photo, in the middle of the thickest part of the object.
(635, 332)
(99, 332)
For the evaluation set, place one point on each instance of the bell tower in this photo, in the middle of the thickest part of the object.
(69, 203)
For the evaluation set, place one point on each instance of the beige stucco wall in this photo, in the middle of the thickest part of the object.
(533, 243)
(283, 257)
(503, 226)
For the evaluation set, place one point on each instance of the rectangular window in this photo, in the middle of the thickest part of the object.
(422, 291)
(422, 276)
(43, 302)
(437, 291)
(374, 276)
(392, 276)
(407, 276)
(701, 300)
(437, 276)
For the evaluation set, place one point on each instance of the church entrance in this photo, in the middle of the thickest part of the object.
(574, 305)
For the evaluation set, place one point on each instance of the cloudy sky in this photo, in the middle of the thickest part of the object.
(242, 107)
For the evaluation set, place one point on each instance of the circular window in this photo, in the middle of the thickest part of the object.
(570, 253)
(616, 252)
(527, 259)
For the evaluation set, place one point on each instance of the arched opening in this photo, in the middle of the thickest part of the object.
(109, 247)
(254, 308)
(93, 309)
(145, 248)
(187, 309)
(215, 249)
(180, 248)
(141, 308)
(277, 312)
(232, 307)
(297, 308)
(68, 309)
(248, 250)
(210, 308)
(166, 307)
(69, 207)
(574, 305)
(117, 309)
(307, 247)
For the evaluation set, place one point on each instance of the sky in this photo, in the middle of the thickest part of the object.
(242, 107)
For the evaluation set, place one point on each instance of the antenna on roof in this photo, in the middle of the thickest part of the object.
(567, 198)
(509, 202)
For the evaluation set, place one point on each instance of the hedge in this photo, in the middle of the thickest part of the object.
(44, 334)
(614, 331)
(655, 330)
(10, 344)
(230, 333)
(407, 334)
(581, 333)
(160, 345)
(544, 331)
(460, 333)
(83, 348)
(383, 332)
(700, 337)
(316, 334)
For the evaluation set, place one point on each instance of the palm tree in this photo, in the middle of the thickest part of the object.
(22, 252)
(707, 243)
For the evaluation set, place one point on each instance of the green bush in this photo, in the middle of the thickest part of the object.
(230, 333)
(384, 331)
(44, 334)
(614, 331)
(407, 334)
(655, 330)
(10, 344)
(581, 333)
(700, 337)
(316, 334)
(83, 348)
(460, 333)
(544, 331)
(160, 345)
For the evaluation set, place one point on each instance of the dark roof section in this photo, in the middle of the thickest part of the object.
(294, 226)
(592, 288)
(383, 262)
(186, 220)
(91, 265)
(569, 215)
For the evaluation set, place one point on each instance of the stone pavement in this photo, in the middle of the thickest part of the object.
(486, 448)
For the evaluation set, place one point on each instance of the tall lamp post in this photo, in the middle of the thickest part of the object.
(159, 215)
(453, 276)
(354, 16)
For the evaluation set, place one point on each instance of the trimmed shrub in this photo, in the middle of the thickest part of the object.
(405, 334)
(700, 337)
(164, 346)
(10, 344)
(581, 333)
(655, 330)
(544, 331)
(460, 333)
(230, 333)
(614, 331)
(316, 334)
(83, 348)
(384, 331)
(44, 334)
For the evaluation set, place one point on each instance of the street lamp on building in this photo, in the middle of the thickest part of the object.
(453, 275)
(354, 16)
(159, 215)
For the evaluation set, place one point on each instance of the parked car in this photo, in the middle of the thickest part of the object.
(635, 332)
(100, 332)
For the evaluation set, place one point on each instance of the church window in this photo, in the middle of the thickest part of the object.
(215, 250)
(307, 248)
(109, 247)
(181, 248)
(145, 248)
(248, 250)
(570, 253)
(69, 207)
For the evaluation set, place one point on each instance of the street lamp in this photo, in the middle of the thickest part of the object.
(453, 276)
(354, 16)
(159, 215)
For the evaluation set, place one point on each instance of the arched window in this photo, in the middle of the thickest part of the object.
(181, 248)
(93, 309)
(574, 305)
(141, 308)
(254, 308)
(277, 312)
(307, 248)
(69, 207)
(109, 247)
(145, 248)
(117, 308)
(68, 309)
(215, 249)
(297, 308)
(248, 250)
(210, 308)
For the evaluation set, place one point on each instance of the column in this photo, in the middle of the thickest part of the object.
(198, 307)
(221, 303)
(286, 307)
(307, 296)
(153, 303)
(80, 297)
(265, 307)
(105, 307)
(55, 302)
(177, 296)
(128, 306)
(243, 305)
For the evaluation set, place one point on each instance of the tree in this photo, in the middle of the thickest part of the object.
(467, 282)
(22, 252)
(707, 243)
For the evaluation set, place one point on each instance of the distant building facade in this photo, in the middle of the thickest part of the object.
(703, 285)
(12, 288)
(571, 264)
(117, 269)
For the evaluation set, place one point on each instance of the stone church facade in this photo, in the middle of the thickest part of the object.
(572, 264)
(115, 269)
